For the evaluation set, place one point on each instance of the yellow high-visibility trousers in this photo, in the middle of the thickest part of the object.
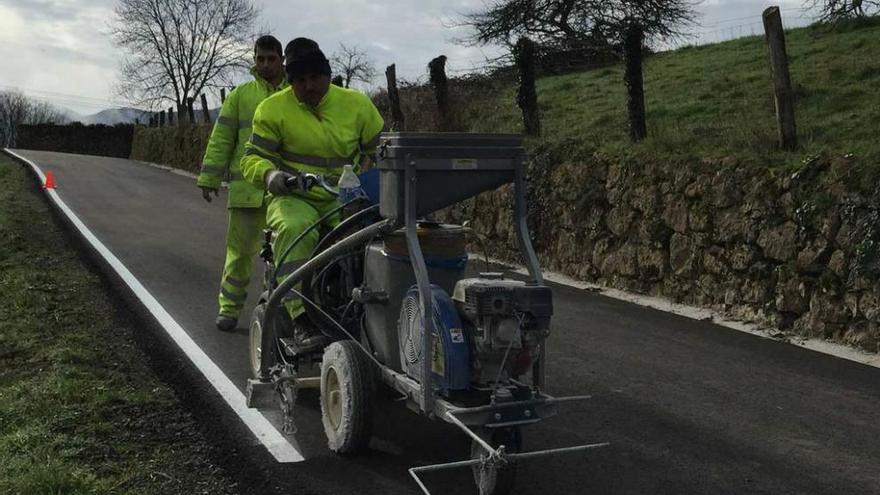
(243, 241)
(290, 216)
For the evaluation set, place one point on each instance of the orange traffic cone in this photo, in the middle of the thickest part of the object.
(50, 181)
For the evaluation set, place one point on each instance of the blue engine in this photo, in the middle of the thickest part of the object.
(450, 359)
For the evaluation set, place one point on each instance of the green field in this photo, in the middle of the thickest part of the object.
(80, 410)
(714, 101)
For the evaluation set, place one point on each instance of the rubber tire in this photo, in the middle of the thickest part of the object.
(255, 331)
(354, 374)
(499, 481)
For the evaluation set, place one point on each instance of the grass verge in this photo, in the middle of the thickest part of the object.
(81, 412)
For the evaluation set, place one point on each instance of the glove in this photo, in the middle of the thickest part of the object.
(206, 192)
(276, 183)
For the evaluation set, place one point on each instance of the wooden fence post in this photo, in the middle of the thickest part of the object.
(632, 76)
(171, 117)
(397, 120)
(526, 94)
(222, 95)
(781, 79)
(161, 119)
(205, 112)
(437, 71)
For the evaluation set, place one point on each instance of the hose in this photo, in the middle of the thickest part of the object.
(348, 221)
(274, 302)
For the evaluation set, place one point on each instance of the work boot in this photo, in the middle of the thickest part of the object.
(307, 338)
(226, 323)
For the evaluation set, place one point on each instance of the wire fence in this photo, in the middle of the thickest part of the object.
(703, 34)
(735, 28)
(727, 100)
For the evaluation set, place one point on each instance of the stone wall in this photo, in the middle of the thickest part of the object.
(99, 139)
(793, 251)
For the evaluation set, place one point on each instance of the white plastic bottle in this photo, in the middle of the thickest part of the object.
(349, 185)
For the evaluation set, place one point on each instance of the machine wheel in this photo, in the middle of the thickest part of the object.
(255, 338)
(347, 393)
(496, 480)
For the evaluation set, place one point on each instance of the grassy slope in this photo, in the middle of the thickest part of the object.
(716, 101)
(80, 411)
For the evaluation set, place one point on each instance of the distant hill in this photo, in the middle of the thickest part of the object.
(113, 116)
(126, 115)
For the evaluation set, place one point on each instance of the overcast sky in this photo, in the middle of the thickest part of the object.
(58, 50)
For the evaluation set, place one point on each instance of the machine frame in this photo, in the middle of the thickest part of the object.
(421, 173)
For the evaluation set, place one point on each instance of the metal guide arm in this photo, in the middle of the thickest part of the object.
(520, 221)
(426, 298)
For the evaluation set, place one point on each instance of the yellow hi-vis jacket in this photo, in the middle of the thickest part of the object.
(226, 146)
(289, 135)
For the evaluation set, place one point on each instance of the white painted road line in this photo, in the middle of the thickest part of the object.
(166, 168)
(277, 444)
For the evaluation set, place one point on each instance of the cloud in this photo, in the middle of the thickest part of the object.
(42, 10)
(59, 46)
(68, 28)
(722, 12)
(406, 33)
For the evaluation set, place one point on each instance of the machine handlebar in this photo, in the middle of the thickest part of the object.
(307, 181)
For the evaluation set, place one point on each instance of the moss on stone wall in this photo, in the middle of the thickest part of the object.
(797, 252)
(179, 147)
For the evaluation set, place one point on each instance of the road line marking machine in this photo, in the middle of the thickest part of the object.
(478, 362)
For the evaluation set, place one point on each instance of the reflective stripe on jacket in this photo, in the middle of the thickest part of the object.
(226, 146)
(290, 135)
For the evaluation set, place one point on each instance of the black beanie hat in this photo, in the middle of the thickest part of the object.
(302, 56)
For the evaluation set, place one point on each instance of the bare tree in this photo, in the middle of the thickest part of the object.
(353, 65)
(45, 113)
(179, 48)
(17, 109)
(570, 22)
(837, 10)
(544, 21)
(13, 111)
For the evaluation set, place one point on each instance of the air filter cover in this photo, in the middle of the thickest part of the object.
(450, 359)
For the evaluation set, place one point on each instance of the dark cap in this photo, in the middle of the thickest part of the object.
(303, 56)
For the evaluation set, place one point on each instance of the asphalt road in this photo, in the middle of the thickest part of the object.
(689, 407)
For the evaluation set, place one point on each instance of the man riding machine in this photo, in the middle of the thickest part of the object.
(312, 130)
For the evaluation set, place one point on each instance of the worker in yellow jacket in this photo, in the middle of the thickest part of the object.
(312, 128)
(247, 213)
